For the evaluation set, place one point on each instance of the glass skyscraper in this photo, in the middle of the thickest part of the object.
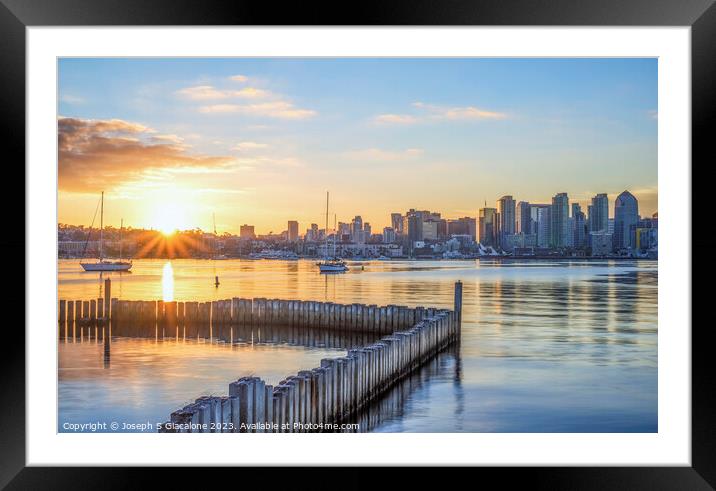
(626, 216)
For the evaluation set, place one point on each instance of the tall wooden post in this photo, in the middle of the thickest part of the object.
(458, 304)
(107, 296)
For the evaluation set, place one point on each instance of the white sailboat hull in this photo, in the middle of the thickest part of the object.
(107, 266)
(332, 268)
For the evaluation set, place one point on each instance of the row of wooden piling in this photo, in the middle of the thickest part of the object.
(143, 315)
(323, 398)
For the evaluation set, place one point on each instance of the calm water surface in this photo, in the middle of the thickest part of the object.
(547, 346)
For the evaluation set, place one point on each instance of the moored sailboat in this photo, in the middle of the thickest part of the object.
(334, 264)
(105, 264)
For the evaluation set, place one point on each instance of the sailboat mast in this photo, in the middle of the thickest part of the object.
(101, 226)
(335, 233)
(326, 231)
(121, 226)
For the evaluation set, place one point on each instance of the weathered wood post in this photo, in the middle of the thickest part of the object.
(63, 314)
(93, 311)
(458, 305)
(107, 297)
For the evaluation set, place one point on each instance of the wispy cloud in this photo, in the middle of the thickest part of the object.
(264, 103)
(653, 114)
(396, 119)
(274, 109)
(434, 113)
(248, 146)
(209, 93)
(72, 99)
(102, 154)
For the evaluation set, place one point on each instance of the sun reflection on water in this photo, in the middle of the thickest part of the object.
(168, 282)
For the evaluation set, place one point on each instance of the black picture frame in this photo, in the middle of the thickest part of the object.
(16, 15)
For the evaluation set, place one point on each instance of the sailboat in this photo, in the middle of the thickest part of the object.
(331, 265)
(105, 264)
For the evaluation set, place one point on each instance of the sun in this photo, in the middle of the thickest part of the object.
(169, 217)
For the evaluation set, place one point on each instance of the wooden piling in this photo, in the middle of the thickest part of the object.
(63, 313)
(458, 304)
(107, 297)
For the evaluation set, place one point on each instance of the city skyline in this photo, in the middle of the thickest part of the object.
(174, 141)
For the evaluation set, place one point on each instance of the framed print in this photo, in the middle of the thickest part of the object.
(418, 236)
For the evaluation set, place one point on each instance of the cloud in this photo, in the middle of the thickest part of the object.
(274, 109)
(232, 101)
(208, 93)
(434, 113)
(653, 114)
(102, 154)
(248, 146)
(396, 119)
(71, 99)
(177, 140)
(377, 154)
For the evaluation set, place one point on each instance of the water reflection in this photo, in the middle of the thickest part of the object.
(168, 282)
(546, 345)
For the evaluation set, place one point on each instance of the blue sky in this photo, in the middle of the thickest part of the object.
(262, 139)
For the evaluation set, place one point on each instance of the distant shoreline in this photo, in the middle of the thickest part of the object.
(366, 259)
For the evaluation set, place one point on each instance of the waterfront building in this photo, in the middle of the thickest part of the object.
(430, 229)
(413, 224)
(601, 243)
(626, 215)
(396, 222)
(462, 226)
(599, 213)
(361, 250)
(292, 231)
(540, 219)
(357, 230)
(247, 232)
(487, 226)
(519, 241)
(559, 221)
(388, 235)
(578, 227)
(344, 229)
(505, 219)
(523, 218)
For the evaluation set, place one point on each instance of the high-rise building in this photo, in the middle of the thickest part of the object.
(247, 232)
(367, 231)
(312, 233)
(388, 235)
(599, 213)
(559, 221)
(292, 231)
(396, 221)
(430, 229)
(487, 226)
(505, 219)
(357, 230)
(540, 215)
(626, 215)
(463, 226)
(578, 227)
(413, 225)
(523, 219)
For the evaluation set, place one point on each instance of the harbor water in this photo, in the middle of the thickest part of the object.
(547, 346)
